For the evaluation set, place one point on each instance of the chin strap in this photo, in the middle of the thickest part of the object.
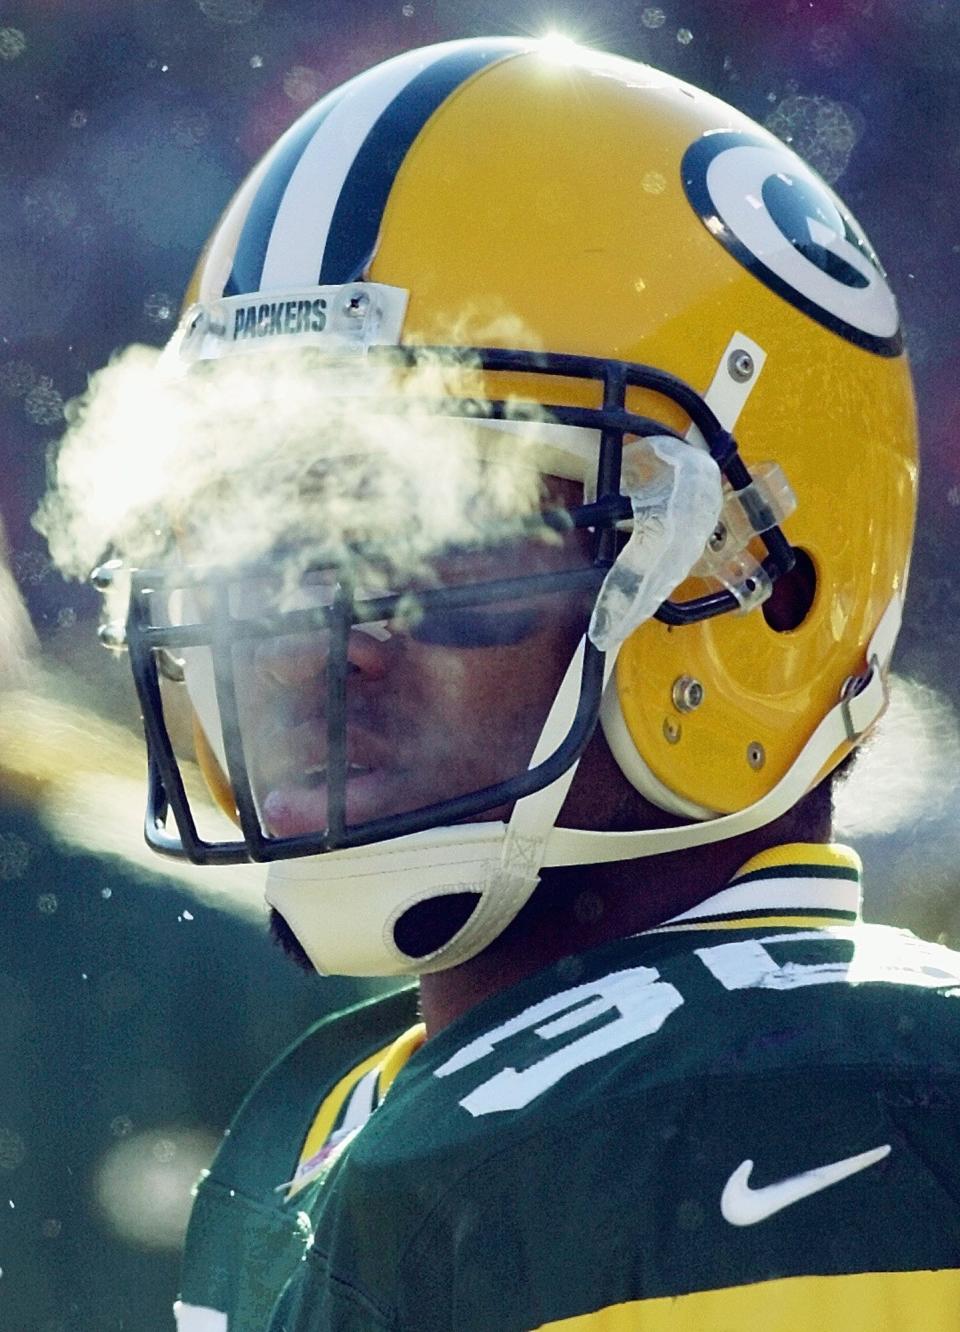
(512, 879)
(343, 906)
(864, 701)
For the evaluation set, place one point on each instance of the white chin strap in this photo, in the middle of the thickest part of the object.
(343, 906)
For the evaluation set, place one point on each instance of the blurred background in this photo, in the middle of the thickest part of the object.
(136, 1007)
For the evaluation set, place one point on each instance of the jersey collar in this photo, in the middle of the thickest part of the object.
(802, 883)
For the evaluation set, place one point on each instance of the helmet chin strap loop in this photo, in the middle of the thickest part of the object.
(526, 834)
(343, 906)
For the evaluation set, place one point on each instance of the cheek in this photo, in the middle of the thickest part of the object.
(468, 697)
(500, 697)
(440, 680)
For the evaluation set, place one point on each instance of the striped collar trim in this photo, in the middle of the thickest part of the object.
(802, 884)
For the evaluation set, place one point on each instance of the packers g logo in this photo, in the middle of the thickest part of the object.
(779, 219)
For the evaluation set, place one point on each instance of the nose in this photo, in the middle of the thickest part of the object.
(294, 660)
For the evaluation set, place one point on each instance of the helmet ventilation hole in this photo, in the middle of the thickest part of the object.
(788, 605)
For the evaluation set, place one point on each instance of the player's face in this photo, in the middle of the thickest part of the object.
(438, 703)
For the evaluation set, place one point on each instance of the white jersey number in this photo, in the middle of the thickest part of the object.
(869, 953)
(637, 1002)
(194, 1318)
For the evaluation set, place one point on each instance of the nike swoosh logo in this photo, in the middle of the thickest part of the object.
(743, 1206)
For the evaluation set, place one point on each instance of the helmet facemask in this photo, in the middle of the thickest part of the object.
(284, 658)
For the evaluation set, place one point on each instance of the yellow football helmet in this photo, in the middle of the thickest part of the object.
(640, 277)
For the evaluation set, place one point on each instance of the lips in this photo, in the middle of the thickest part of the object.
(296, 809)
(296, 753)
(292, 778)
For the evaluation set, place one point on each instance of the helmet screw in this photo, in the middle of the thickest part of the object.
(756, 755)
(113, 636)
(687, 693)
(671, 731)
(851, 687)
(103, 575)
(718, 537)
(740, 365)
(356, 306)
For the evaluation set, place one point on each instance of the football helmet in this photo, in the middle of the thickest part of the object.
(657, 304)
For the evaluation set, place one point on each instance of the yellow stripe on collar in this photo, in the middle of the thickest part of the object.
(397, 1055)
(387, 1063)
(331, 1106)
(786, 922)
(830, 854)
(799, 884)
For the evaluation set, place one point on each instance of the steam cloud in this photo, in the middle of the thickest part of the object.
(905, 776)
(283, 450)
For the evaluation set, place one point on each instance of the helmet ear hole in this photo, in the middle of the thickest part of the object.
(427, 926)
(793, 594)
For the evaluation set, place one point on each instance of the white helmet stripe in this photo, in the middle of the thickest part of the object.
(317, 214)
(273, 177)
(299, 236)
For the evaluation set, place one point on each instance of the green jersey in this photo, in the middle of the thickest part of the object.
(746, 1118)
